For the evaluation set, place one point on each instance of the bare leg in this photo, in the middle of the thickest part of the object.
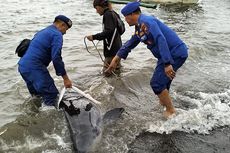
(165, 100)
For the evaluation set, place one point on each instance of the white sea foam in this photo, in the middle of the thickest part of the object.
(59, 140)
(213, 110)
(30, 144)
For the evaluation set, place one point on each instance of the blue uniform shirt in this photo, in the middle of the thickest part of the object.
(45, 47)
(163, 42)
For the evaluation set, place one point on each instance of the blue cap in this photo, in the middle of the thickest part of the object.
(64, 19)
(130, 8)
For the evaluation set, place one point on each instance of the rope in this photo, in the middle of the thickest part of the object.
(103, 61)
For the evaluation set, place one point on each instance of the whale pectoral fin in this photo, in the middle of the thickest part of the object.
(113, 114)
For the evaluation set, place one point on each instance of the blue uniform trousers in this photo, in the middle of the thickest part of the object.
(39, 82)
(159, 80)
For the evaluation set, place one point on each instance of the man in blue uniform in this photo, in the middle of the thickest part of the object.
(45, 47)
(164, 44)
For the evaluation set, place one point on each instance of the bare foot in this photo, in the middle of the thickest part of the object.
(169, 113)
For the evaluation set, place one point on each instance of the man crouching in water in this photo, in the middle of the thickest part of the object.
(164, 44)
(45, 47)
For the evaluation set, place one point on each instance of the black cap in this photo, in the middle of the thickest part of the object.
(101, 3)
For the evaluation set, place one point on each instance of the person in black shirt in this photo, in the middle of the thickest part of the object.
(111, 38)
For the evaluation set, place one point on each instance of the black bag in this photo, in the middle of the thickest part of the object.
(22, 47)
(120, 24)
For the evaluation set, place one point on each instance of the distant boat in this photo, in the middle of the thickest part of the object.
(149, 4)
(152, 3)
(171, 1)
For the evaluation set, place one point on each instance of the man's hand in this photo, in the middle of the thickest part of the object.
(90, 38)
(67, 81)
(169, 71)
(112, 65)
(109, 70)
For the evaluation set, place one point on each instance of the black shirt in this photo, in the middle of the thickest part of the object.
(109, 23)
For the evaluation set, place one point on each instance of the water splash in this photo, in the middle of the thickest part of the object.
(212, 111)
